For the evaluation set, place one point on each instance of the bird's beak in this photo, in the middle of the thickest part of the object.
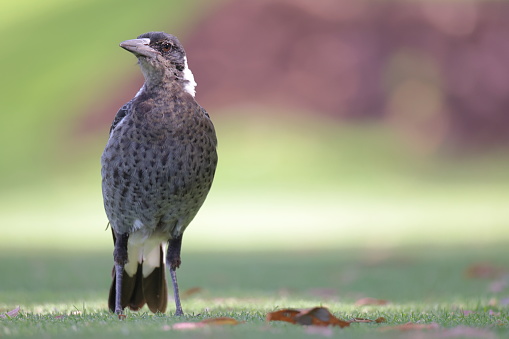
(139, 47)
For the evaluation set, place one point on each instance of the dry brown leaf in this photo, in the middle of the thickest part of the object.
(287, 315)
(317, 316)
(410, 327)
(360, 320)
(320, 316)
(364, 320)
(11, 314)
(371, 301)
(484, 271)
(221, 321)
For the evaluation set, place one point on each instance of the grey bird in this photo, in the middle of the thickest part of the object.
(157, 169)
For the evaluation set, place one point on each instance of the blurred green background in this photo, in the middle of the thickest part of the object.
(299, 170)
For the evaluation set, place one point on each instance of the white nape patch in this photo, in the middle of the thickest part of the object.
(189, 87)
(143, 247)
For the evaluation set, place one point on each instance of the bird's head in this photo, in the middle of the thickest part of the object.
(161, 58)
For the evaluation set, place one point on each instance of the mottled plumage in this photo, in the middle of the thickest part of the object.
(157, 169)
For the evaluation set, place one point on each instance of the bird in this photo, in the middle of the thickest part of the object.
(157, 168)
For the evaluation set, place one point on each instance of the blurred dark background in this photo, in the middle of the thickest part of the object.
(359, 122)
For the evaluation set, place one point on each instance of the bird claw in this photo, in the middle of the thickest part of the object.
(175, 263)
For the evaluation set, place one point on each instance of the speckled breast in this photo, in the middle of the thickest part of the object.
(157, 171)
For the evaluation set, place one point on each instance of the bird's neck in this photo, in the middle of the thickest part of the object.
(167, 79)
(171, 86)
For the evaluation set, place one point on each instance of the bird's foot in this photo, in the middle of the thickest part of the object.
(120, 314)
(175, 263)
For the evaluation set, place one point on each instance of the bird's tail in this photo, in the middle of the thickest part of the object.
(143, 281)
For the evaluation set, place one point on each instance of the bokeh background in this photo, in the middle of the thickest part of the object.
(341, 124)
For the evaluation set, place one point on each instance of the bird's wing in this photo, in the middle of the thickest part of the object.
(205, 112)
(121, 114)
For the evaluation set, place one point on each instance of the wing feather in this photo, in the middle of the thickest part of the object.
(121, 114)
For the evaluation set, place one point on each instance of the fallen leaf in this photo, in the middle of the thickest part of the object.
(364, 320)
(360, 320)
(317, 316)
(468, 312)
(190, 291)
(371, 301)
(287, 315)
(410, 327)
(11, 314)
(484, 271)
(221, 321)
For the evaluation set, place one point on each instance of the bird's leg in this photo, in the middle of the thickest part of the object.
(173, 262)
(120, 257)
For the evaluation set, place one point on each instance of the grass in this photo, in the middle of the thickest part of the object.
(303, 212)
(321, 221)
(322, 227)
(63, 294)
(335, 186)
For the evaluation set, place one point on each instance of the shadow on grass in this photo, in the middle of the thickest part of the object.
(404, 275)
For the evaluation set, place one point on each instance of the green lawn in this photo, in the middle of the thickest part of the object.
(292, 221)
(63, 294)
(303, 211)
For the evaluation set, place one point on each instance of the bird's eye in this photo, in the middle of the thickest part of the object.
(166, 47)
